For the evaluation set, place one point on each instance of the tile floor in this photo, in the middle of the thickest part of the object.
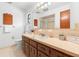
(11, 51)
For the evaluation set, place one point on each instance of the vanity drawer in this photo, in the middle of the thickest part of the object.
(33, 43)
(43, 48)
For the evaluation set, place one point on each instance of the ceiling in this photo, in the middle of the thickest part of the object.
(24, 6)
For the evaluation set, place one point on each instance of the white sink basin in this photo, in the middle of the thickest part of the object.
(39, 37)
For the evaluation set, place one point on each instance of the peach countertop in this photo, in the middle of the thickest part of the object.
(64, 46)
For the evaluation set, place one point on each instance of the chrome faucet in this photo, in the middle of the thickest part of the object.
(62, 37)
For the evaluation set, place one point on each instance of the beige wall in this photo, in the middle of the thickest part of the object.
(56, 32)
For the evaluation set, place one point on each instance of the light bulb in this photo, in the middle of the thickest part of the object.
(45, 5)
(42, 7)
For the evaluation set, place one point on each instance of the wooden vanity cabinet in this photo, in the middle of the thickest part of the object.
(33, 48)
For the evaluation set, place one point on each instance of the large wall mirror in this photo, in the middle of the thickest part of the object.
(51, 21)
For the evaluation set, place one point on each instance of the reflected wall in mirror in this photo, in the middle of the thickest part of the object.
(47, 22)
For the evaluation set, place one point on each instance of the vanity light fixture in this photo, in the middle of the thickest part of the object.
(43, 6)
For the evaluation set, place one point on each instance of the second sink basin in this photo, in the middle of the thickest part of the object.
(73, 39)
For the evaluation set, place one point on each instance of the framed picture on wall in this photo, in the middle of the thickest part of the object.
(65, 19)
(35, 22)
(7, 19)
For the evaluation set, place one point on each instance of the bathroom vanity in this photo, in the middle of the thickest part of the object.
(38, 46)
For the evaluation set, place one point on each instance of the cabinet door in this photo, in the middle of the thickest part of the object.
(43, 48)
(33, 43)
(27, 49)
(65, 19)
(40, 54)
(56, 53)
(33, 52)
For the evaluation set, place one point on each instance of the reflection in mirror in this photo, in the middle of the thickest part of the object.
(47, 22)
